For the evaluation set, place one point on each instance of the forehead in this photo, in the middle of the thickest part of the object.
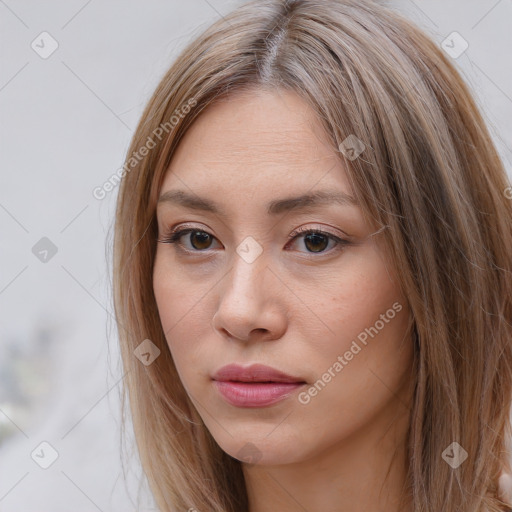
(257, 140)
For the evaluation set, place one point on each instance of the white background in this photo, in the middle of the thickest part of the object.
(65, 125)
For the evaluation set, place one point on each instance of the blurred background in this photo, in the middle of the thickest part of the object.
(74, 77)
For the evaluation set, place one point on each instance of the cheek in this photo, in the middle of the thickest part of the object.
(178, 295)
(182, 306)
(355, 297)
(365, 348)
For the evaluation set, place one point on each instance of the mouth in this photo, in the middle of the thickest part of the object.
(255, 394)
(255, 386)
(254, 373)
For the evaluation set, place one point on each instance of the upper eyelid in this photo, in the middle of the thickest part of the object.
(296, 232)
(163, 226)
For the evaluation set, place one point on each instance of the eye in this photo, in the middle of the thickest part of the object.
(316, 241)
(200, 240)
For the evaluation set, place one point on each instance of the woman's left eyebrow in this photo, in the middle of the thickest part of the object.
(303, 202)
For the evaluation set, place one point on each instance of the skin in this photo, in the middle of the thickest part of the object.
(292, 308)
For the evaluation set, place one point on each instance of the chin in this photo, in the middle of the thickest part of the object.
(261, 449)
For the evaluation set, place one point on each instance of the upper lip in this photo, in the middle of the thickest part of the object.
(253, 373)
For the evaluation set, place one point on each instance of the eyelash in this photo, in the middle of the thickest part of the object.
(173, 237)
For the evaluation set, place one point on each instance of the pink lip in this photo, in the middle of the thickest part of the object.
(254, 386)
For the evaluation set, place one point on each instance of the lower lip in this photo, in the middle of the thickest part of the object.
(255, 394)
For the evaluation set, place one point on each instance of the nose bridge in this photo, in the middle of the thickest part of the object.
(248, 271)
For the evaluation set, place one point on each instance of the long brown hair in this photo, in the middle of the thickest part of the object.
(430, 173)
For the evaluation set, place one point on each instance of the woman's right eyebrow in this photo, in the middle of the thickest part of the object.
(304, 202)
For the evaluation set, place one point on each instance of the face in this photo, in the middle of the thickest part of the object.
(302, 287)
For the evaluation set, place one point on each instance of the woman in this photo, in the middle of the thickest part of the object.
(312, 272)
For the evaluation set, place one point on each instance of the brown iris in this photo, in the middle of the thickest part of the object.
(203, 239)
(316, 238)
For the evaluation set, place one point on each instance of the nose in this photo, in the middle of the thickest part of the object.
(251, 302)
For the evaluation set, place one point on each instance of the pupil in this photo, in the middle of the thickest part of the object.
(315, 237)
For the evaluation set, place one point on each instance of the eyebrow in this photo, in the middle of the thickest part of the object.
(275, 207)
